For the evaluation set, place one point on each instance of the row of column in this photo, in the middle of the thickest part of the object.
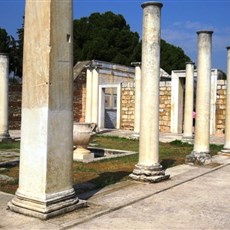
(46, 155)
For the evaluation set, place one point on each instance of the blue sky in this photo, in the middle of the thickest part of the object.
(180, 21)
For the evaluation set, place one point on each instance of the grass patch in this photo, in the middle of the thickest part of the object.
(10, 146)
(110, 171)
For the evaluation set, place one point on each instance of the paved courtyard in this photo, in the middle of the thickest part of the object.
(193, 198)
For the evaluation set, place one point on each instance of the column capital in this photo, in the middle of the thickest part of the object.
(145, 4)
(4, 54)
(136, 63)
(92, 66)
(190, 62)
(205, 32)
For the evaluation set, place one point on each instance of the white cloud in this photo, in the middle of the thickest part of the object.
(183, 34)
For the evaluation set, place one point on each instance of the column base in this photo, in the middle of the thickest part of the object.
(60, 204)
(152, 174)
(198, 158)
(189, 139)
(83, 155)
(224, 152)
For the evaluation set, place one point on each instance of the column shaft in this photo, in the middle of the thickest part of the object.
(4, 73)
(149, 131)
(46, 155)
(95, 96)
(89, 83)
(200, 152)
(188, 108)
(137, 109)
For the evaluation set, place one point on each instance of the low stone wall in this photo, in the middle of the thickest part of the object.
(220, 106)
(127, 105)
(79, 98)
(15, 100)
(165, 106)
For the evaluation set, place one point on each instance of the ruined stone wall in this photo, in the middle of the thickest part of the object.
(15, 99)
(220, 106)
(165, 106)
(127, 105)
(79, 98)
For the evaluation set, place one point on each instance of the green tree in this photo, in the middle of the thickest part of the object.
(172, 57)
(105, 37)
(8, 46)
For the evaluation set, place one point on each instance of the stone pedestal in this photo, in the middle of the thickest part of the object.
(148, 167)
(201, 152)
(226, 149)
(4, 73)
(188, 105)
(137, 109)
(46, 154)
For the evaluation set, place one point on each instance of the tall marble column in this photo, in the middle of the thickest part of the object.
(226, 149)
(4, 73)
(46, 154)
(137, 110)
(148, 167)
(95, 95)
(188, 108)
(89, 83)
(201, 151)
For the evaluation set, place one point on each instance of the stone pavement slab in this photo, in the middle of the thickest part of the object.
(194, 198)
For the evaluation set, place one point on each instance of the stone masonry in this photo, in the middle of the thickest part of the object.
(220, 106)
(165, 106)
(127, 106)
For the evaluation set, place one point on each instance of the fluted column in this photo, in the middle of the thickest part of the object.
(89, 84)
(137, 109)
(201, 151)
(188, 105)
(226, 149)
(148, 167)
(4, 73)
(95, 95)
(46, 154)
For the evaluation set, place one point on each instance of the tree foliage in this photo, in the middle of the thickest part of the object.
(172, 57)
(8, 46)
(108, 37)
(105, 37)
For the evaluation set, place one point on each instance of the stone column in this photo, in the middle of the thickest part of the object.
(226, 149)
(137, 109)
(148, 167)
(4, 73)
(188, 108)
(95, 95)
(46, 155)
(200, 153)
(89, 83)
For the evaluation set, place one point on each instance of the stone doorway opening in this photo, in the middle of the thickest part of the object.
(109, 106)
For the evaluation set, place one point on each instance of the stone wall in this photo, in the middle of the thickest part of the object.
(15, 99)
(79, 98)
(220, 106)
(165, 106)
(127, 106)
